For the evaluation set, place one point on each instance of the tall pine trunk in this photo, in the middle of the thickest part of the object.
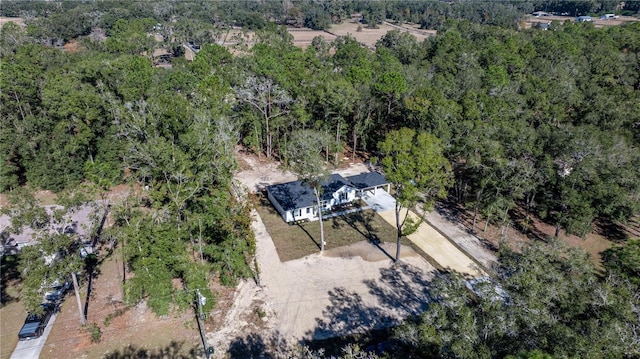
(83, 320)
(321, 223)
(399, 231)
(355, 143)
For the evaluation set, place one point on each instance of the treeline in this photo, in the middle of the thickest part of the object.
(543, 120)
(64, 20)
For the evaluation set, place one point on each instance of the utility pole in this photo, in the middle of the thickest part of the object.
(200, 301)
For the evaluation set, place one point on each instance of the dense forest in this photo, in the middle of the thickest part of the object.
(543, 123)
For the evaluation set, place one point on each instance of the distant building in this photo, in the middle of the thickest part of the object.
(540, 13)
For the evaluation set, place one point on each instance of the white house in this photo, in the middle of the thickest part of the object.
(295, 201)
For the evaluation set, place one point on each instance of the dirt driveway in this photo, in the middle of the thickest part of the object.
(347, 290)
(344, 291)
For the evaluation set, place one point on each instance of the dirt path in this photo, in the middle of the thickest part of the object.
(437, 246)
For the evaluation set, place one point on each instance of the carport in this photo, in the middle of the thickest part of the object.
(369, 182)
(380, 202)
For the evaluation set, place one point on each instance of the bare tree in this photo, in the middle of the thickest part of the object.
(271, 102)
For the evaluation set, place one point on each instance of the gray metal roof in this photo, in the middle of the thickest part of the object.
(296, 194)
(367, 180)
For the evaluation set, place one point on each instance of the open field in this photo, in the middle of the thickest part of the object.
(369, 37)
(17, 20)
(303, 37)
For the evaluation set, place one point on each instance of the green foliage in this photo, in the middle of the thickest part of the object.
(624, 261)
(417, 170)
(96, 332)
(156, 254)
(543, 302)
(415, 165)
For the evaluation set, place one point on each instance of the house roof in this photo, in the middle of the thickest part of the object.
(367, 180)
(296, 194)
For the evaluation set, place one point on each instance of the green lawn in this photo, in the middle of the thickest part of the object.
(297, 241)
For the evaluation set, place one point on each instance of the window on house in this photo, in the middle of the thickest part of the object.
(343, 196)
(297, 212)
(308, 210)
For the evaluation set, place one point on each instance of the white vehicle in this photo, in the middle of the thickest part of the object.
(584, 19)
(609, 16)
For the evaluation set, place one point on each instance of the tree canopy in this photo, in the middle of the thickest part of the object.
(491, 115)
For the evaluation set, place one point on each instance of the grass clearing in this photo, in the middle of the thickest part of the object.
(12, 313)
(296, 241)
(12, 317)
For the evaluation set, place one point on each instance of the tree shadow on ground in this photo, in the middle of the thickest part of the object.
(361, 222)
(613, 231)
(10, 274)
(255, 346)
(402, 288)
(309, 235)
(402, 291)
(172, 350)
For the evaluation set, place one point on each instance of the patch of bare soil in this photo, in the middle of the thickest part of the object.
(369, 252)
(594, 243)
(123, 329)
(16, 20)
(72, 46)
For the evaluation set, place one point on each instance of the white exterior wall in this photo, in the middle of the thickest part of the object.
(277, 206)
(351, 196)
(302, 216)
(289, 217)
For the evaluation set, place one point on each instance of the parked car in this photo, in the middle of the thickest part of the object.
(35, 323)
(58, 291)
(609, 17)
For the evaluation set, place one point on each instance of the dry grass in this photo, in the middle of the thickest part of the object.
(297, 241)
(303, 37)
(371, 36)
(11, 319)
(128, 332)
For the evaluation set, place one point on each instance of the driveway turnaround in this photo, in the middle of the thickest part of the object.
(319, 297)
(437, 246)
